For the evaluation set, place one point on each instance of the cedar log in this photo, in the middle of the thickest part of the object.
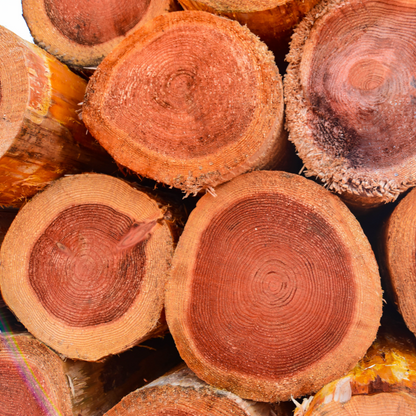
(35, 381)
(350, 96)
(84, 265)
(81, 33)
(41, 135)
(191, 100)
(181, 393)
(274, 289)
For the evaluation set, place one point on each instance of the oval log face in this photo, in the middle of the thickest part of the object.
(92, 266)
(269, 282)
(354, 70)
(95, 21)
(191, 100)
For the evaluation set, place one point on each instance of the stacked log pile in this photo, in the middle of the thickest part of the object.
(262, 281)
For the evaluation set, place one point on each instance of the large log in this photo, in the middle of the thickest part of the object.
(35, 381)
(274, 289)
(350, 97)
(271, 20)
(42, 137)
(191, 100)
(397, 245)
(81, 33)
(383, 382)
(181, 393)
(84, 265)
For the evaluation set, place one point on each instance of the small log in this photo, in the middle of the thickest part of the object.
(271, 20)
(42, 137)
(35, 381)
(84, 265)
(383, 382)
(274, 289)
(397, 258)
(350, 98)
(81, 33)
(181, 393)
(191, 100)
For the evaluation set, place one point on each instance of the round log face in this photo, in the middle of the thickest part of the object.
(351, 93)
(399, 257)
(96, 21)
(32, 381)
(190, 99)
(387, 404)
(270, 295)
(92, 266)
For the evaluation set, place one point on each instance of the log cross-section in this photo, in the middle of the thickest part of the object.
(274, 288)
(84, 265)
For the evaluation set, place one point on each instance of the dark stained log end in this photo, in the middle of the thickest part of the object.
(351, 97)
(270, 293)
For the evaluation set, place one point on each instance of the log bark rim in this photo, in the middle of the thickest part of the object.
(302, 383)
(364, 187)
(55, 335)
(232, 6)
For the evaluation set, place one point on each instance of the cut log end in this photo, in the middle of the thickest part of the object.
(387, 404)
(350, 96)
(81, 33)
(95, 259)
(94, 22)
(266, 290)
(190, 100)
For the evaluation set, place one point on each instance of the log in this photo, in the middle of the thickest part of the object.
(271, 20)
(397, 245)
(383, 382)
(42, 137)
(35, 381)
(181, 393)
(350, 98)
(274, 289)
(81, 33)
(190, 100)
(84, 265)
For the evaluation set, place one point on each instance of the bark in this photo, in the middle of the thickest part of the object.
(397, 260)
(350, 97)
(271, 20)
(383, 382)
(84, 265)
(35, 381)
(81, 33)
(191, 100)
(274, 289)
(6, 218)
(42, 137)
(181, 393)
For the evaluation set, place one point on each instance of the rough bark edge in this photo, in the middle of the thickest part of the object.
(303, 382)
(272, 148)
(331, 171)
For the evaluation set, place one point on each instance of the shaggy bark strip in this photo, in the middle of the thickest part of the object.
(35, 381)
(383, 382)
(397, 257)
(271, 20)
(350, 95)
(191, 100)
(84, 264)
(274, 289)
(81, 33)
(181, 393)
(42, 137)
